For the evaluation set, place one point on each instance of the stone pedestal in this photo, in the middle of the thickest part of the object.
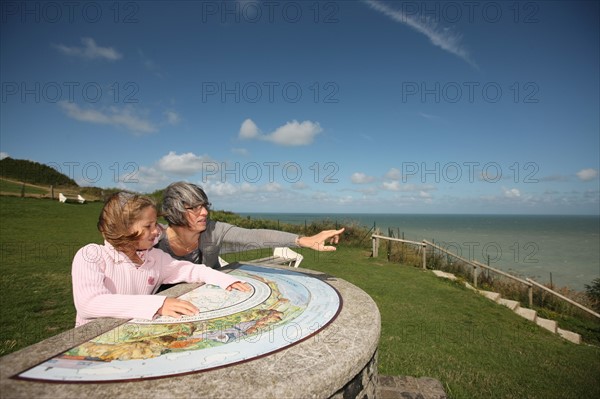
(339, 361)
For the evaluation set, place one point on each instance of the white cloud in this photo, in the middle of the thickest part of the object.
(150, 177)
(293, 133)
(3, 155)
(184, 164)
(173, 117)
(392, 185)
(90, 50)
(393, 174)
(320, 196)
(428, 116)
(227, 189)
(114, 116)
(407, 188)
(444, 38)
(587, 174)
(220, 189)
(273, 187)
(249, 130)
(249, 188)
(348, 199)
(361, 178)
(511, 193)
(300, 185)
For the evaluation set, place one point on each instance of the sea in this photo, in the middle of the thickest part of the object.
(560, 249)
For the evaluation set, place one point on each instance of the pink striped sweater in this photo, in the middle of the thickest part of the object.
(106, 283)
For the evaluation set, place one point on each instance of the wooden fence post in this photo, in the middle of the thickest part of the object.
(424, 255)
(530, 292)
(475, 276)
(375, 247)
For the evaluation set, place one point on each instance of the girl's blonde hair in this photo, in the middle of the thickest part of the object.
(118, 215)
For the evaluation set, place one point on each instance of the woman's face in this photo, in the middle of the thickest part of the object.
(197, 218)
(147, 227)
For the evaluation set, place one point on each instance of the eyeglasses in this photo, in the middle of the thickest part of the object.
(198, 208)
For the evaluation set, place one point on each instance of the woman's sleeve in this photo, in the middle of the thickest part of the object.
(237, 239)
(93, 298)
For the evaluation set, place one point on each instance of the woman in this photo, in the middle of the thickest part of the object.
(192, 236)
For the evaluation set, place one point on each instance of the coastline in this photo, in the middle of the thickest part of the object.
(562, 249)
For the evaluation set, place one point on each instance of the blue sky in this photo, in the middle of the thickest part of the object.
(305, 106)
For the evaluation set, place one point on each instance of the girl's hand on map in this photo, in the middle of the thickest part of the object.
(176, 308)
(240, 287)
(318, 242)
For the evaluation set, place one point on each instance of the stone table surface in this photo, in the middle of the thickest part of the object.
(317, 367)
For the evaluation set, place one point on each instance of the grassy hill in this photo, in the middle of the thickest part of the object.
(16, 188)
(430, 326)
(33, 172)
(25, 178)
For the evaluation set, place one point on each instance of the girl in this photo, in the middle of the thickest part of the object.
(117, 279)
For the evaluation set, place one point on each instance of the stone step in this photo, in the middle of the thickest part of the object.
(529, 314)
(569, 336)
(512, 305)
(549, 325)
(469, 286)
(494, 296)
(442, 274)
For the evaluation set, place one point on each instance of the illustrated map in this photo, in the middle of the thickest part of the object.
(283, 308)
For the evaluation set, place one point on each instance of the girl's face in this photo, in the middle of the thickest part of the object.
(147, 227)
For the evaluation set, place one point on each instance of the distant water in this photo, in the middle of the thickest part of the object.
(536, 246)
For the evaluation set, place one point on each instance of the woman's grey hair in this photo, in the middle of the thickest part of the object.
(179, 196)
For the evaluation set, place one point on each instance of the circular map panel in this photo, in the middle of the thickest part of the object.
(215, 302)
(284, 308)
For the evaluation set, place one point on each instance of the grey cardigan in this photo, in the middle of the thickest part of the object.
(220, 238)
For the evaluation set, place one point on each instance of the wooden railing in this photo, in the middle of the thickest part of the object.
(477, 265)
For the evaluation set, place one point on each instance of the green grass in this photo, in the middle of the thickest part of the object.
(7, 186)
(38, 239)
(430, 326)
(478, 349)
(433, 327)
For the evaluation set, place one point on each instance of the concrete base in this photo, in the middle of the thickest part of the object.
(363, 385)
(339, 361)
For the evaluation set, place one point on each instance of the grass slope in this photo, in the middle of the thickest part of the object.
(430, 326)
(38, 239)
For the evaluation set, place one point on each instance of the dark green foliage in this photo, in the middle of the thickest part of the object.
(593, 292)
(33, 172)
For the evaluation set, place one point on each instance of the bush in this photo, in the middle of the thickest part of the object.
(593, 293)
